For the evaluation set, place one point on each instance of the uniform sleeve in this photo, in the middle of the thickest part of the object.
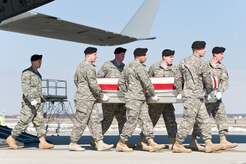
(178, 80)
(206, 77)
(75, 79)
(122, 82)
(92, 82)
(151, 72)
(102, 72)
(145, 80)
(25, 79)
(224, 81)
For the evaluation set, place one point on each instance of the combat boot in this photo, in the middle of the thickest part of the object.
(156, 146)
(226, 144)
(75, 147)
(209, 146)
(101, 146)
(171, 141)
(144, 146)
(218, 147)
(179, 148)
(43, 144)
(194, 145)
(11, 142)
(121, 146)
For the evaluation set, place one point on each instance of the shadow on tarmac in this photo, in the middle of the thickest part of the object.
(113, 139)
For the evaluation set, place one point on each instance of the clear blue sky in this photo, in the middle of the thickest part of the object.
(177, 24)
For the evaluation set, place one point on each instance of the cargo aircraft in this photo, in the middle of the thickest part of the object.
(138, 28)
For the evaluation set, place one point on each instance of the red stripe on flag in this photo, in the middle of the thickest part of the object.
(163, 86)
(215, 82)
(109, 87)
(114, 87)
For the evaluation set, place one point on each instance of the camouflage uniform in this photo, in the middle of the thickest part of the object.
(191, 79)
(85, 101)
(167, 110)
(111, 69)
(217, 109)
(32, 90)
(133, 82)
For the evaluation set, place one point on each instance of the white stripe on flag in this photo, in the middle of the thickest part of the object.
(162, 80)
(107, 80)
(154, 80)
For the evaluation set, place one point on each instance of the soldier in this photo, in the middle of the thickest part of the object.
(164, 68)
(216, 109)
(133, 83)
(113, 69)
(31, 105)
(190, 81)
(85, 101)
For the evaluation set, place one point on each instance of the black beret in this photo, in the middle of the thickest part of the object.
(197, 45)
(36, 57)
(168, 52)
(217, 50)
(90, 50)
(119, 50)
(140, 51)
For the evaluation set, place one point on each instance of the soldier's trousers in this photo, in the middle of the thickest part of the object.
(217, 110)
(86, 114)
(30, 114)
(168, 113)
(137, 113)
(194, 111)
(109, 112)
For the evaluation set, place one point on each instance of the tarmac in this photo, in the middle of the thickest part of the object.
(30, 154)
(61, 155)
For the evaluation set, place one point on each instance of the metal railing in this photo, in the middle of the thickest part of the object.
(56, 107)
(54, 89)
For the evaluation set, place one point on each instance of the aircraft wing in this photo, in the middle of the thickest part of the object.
(10, 8)
(52, 27)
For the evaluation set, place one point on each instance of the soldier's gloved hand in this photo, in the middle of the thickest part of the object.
(105, 97)
(34, 102)
(179, 97)
(154, 98)
(219, 95)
